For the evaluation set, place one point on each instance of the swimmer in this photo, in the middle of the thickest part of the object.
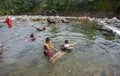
(39, 29)
(47, 48)
(64, 48)
(31, 38)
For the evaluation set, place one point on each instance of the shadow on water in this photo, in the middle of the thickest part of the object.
(94, 55)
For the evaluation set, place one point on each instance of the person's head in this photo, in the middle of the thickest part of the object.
(66, 41)
(32, 35)
(44, 28)
(48, 40)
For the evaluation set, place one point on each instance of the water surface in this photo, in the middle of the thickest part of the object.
(96, 54)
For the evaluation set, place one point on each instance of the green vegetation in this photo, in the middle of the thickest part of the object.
(40, 6)
(18, 6)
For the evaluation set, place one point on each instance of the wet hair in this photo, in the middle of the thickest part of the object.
(47, 39)
(66, 41)
(32, 35)
(44, 28)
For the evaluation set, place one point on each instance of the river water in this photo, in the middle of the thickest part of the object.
(96, 54)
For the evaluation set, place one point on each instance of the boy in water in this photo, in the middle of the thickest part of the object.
(47, 48)
(64, 48)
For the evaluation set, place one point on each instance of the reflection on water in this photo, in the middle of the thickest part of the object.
(95, 54)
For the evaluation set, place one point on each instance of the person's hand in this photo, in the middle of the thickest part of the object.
(55, 51)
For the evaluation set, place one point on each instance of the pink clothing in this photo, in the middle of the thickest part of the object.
(49, 54)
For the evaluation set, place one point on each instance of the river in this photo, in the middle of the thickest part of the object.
(97, 53)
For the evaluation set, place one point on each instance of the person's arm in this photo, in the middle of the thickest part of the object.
(34, 27)
(38, 29)
(53, 48)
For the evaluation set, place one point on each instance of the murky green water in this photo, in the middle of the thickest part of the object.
(96, 54)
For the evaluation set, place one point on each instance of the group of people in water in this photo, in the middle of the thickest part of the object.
(47, 46)
(32, 37)
(63, 49)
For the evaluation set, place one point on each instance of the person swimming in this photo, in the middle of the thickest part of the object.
(31, 38)
(64, 48)
(47, 48)
(39, 29)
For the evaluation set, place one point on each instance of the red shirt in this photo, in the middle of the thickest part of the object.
(9, 22)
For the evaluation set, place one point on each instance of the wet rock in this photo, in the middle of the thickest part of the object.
(105, 29)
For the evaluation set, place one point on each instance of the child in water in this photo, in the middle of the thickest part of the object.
(64, 48)
(31, 38)
(47, 47)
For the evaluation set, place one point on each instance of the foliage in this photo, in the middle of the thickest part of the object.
(35, 6)
(17, 6)
(83, 5)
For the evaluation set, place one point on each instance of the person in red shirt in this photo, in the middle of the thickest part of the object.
(9, 23)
